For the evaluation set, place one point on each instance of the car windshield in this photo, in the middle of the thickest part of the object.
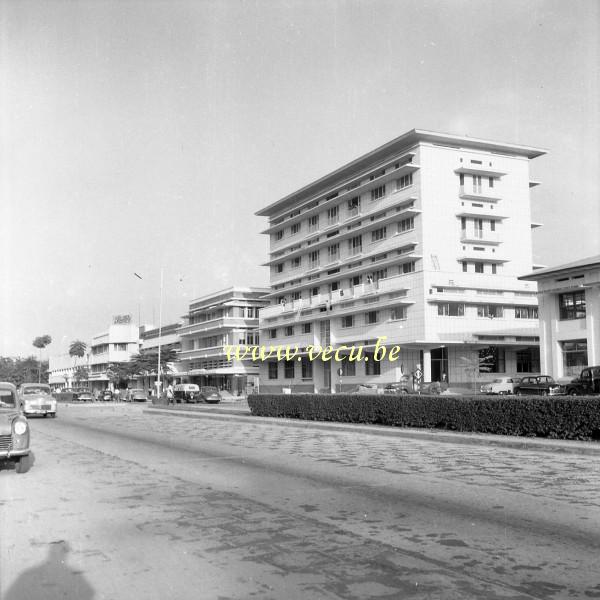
(210, 390)
(7, 398)
(39, 389)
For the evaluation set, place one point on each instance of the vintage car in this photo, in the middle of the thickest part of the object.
(187, 392)
(501, 385)
(211, 394)
(587, 383)
(136, 395)
(36, 399)
(14, 430)
(540, 385)
(365, 388)
(85, 396)
(403, 387)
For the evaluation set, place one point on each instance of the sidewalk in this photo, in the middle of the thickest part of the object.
(238, 411)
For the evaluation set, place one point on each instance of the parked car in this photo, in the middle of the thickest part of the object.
(587, 383)
(210, 394)
(37, 399)
(365, 388)
(501, 385)
(542, 385)
(187, 392)
(403, 387)
(107, 395)
(85, 396)
(136, 395)
(14, 430)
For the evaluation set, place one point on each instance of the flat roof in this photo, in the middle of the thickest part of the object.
(403, 142)
(592, 261)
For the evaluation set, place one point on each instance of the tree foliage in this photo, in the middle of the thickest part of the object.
(81, 373)
(22, 370)
(145, 363)
(77, 349)
(42, 341)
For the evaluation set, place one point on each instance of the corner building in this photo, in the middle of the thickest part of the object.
(422, 241)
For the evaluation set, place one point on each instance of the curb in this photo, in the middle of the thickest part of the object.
(439, 436)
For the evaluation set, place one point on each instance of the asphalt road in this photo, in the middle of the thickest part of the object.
(120, 504)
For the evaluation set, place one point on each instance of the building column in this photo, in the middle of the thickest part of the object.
(426, 365)
(592, 303)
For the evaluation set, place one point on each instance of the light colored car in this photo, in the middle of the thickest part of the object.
(14, 429)
(136, 395)
(501, 385)
(37, 399)
(365, 388)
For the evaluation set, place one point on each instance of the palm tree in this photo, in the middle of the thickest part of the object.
(41, 342)
(77, 350)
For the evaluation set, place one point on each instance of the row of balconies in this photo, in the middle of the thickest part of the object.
(390, 284)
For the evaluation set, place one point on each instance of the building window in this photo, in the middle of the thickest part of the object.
(313, 223)
(575, 356)
(121, 347)
(314, 291)
(379, 234)
(280, 268)
(464, 266)
(451, 309)
(297, 295)
(272, 333)
(306, 327)
(528, 360)
(272, 370)
(404, 182)
(408, 267)
(571, 306)
(398, 313)
(477, 184)
(372, 366)
(313, 259)
(353, 206)
(347, 321)
(289, 330)
(526, 312)
(494, 269)
(278, 235)
(355, 245)
(307, 368)
(371, 317)
(294, 229)
(378, 192)
(492, 225)
(296, 262)
(406, 225)
(491, 182)
(478, 267)
(492, 360)
(348, 368)
(333, 252)
(332, 215)
(490, 311)
(288, 369)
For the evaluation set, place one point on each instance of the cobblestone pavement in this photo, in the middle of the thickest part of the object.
(186, 508)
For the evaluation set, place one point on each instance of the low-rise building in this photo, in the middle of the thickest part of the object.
(215, 322)
(569, 313)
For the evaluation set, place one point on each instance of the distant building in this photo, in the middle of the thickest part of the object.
(115, 345)
(422, 241)
(168, 338)
(61, 370)
(569, 307)
(215, 321)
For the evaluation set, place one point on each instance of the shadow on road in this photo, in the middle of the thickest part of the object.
(52, 579)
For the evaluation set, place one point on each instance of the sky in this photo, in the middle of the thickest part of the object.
(140, 136)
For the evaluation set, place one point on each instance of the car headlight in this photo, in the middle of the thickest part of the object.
(20, 427)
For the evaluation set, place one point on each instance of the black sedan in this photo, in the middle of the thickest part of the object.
(539, 385)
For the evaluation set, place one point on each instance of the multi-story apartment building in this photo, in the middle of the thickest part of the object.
(420, 241)
(214, 323)
(62, 368)
(569, 299)
(116, 345)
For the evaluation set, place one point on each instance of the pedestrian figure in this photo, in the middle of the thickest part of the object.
(169, 394)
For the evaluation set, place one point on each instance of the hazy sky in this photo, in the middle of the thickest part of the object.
(136, 135)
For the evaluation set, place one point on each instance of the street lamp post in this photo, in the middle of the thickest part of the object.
(159, 332)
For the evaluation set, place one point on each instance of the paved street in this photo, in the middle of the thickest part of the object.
(125, 504)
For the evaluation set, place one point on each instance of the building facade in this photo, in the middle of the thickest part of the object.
(569, 306)
(419, 242)
(216, 322)
(115, 345)
(62, 368)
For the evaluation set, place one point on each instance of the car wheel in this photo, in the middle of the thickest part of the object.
(572, 392)
(23, 464)
(519, 393)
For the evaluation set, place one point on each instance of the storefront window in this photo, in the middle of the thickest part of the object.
(528, 360)
(574, 356)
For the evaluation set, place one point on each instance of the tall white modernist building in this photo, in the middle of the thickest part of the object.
(421, 241)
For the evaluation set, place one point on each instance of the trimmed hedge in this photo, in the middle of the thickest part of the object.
(561, 417)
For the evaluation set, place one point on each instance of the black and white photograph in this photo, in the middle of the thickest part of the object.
(299, 300)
